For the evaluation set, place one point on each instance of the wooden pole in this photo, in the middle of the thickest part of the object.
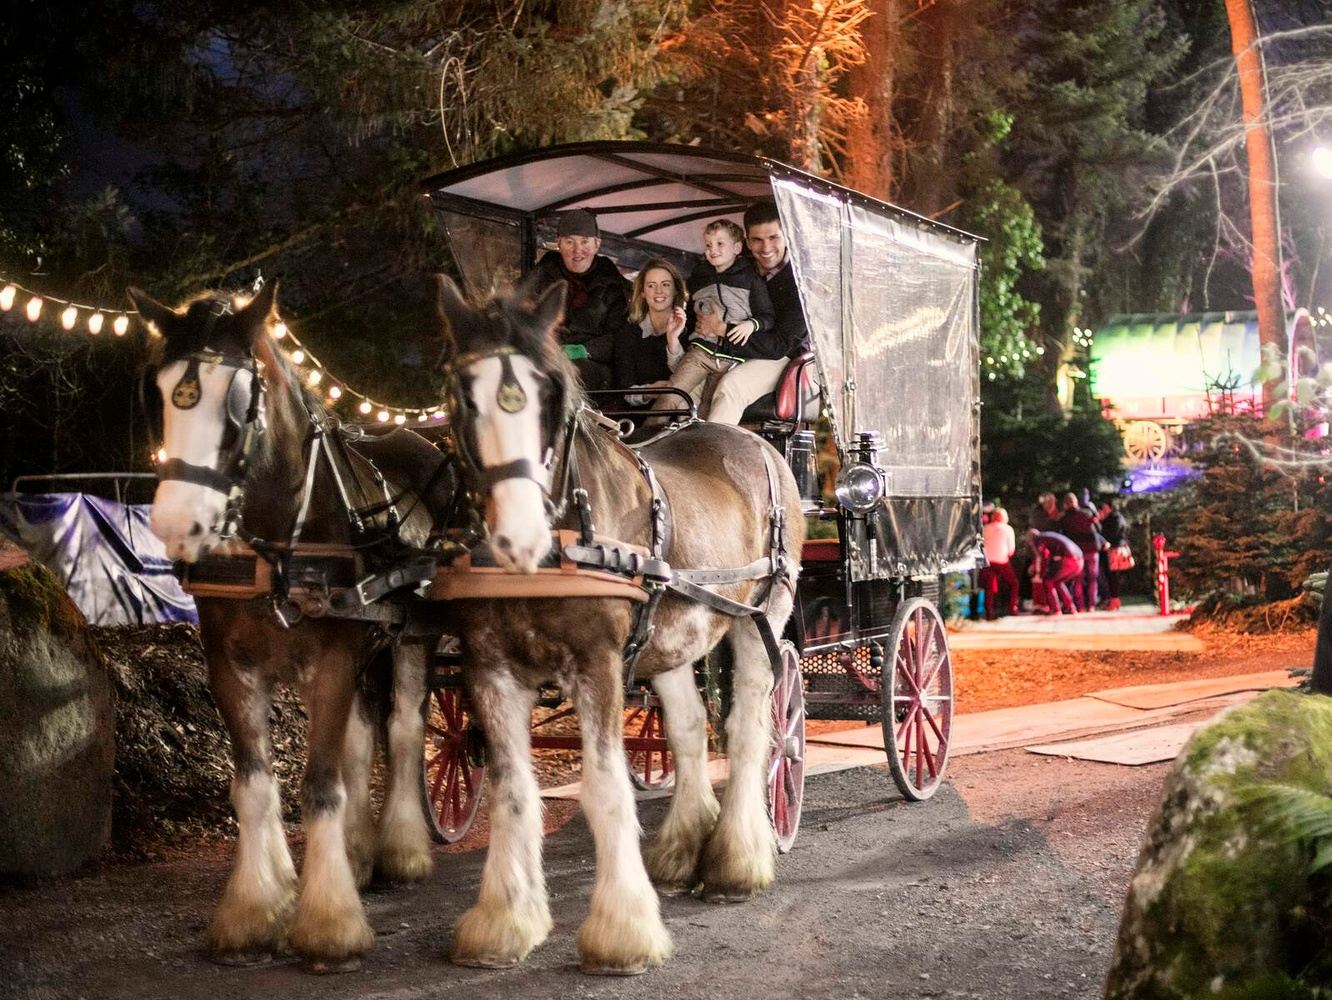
(1266, 263)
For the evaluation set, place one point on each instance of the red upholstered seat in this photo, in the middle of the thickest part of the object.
(794, 398)
(821, 550)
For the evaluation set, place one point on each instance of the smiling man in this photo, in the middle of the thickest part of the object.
(598, 298)
(789, 334)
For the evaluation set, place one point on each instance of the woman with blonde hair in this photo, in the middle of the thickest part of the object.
(649, 345)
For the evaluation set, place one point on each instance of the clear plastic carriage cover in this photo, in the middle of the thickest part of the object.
(891, 306)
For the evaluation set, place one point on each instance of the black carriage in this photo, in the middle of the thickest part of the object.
(892, 378)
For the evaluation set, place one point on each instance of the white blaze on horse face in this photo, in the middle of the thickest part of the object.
(187, 516)
(517, 512)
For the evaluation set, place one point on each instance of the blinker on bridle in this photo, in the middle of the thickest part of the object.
(511, 398)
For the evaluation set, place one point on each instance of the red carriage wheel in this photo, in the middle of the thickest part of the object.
(454, 765)
(917, 699)
(786, 766)
(651, 765)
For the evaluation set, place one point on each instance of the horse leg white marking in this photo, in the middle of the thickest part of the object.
(330, 925)
(740, 857)
(623, 933)
(404, 841)
(672, 859)
(251, 920)
(511, 915)
(357, 758)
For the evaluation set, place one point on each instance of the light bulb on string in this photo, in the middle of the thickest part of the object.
(95, 322)
(439, 415)
(421, 418)
(34, 308)
(160, 455)
(400, 419)
(298, 357)
(382, 416)
(120, 325)
(279, 330)
(365, 406)
(69, 317)
(7, 297)
(316, 377)
(335, 392)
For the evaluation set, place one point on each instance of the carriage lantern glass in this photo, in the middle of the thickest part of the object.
(860, 487)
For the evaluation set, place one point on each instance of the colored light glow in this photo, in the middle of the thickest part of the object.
(438, 415)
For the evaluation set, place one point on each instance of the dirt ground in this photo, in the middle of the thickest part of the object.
(1006, 885)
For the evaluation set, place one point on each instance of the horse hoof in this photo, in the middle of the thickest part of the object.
(241, 959)
(725, 895)
(613, 970)
(483, 962)
(671, 890)
(332, 967)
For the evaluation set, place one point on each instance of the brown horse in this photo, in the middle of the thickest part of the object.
(515, 404)
(235, 415)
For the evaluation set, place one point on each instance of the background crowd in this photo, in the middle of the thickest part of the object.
(1072, 559)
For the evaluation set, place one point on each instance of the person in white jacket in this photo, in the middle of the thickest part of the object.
(1000, 544)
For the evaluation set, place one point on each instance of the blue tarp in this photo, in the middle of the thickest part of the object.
(114, 568)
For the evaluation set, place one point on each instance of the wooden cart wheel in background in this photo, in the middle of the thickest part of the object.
(786, 766)
(651, 765)
(917, 699)
(454, 765)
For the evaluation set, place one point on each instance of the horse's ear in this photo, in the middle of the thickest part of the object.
(549, 309)
(259, 310)
(526, 288)
(453, 310)
(159, 318)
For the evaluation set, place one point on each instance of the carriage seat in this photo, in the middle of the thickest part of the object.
(795, 398)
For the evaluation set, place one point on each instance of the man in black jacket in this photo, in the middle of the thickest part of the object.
(789, 336)
(597, 303)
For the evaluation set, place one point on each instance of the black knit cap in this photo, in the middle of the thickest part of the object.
(579, 222)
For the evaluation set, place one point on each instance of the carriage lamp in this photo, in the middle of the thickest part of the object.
(860, 487)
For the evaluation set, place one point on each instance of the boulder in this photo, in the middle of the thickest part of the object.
(57, 726)
(1224, 902)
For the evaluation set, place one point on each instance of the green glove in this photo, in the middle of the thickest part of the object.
(575, 352)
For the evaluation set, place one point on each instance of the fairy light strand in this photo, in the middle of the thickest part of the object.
(314, 374)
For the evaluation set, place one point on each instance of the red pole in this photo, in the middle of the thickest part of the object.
(1162, 572)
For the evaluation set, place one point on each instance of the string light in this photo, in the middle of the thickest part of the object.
(312, 370)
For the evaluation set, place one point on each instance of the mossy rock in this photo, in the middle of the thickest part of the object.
(1222, 902)
(57, 722)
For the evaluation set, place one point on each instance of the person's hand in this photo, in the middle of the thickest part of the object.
(710, 325)
(741, 332)
(676, 325)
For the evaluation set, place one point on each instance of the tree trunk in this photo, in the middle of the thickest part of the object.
(1262, 185)
(871, 142)
(926, 187)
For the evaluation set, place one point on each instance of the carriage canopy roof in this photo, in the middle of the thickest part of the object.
(890, 296)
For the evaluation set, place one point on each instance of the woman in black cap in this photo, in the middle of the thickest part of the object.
(597, 303)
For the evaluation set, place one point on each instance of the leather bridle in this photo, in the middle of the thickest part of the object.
(244, 425)
(558, 425)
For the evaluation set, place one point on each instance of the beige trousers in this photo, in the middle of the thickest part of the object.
(738, 383)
